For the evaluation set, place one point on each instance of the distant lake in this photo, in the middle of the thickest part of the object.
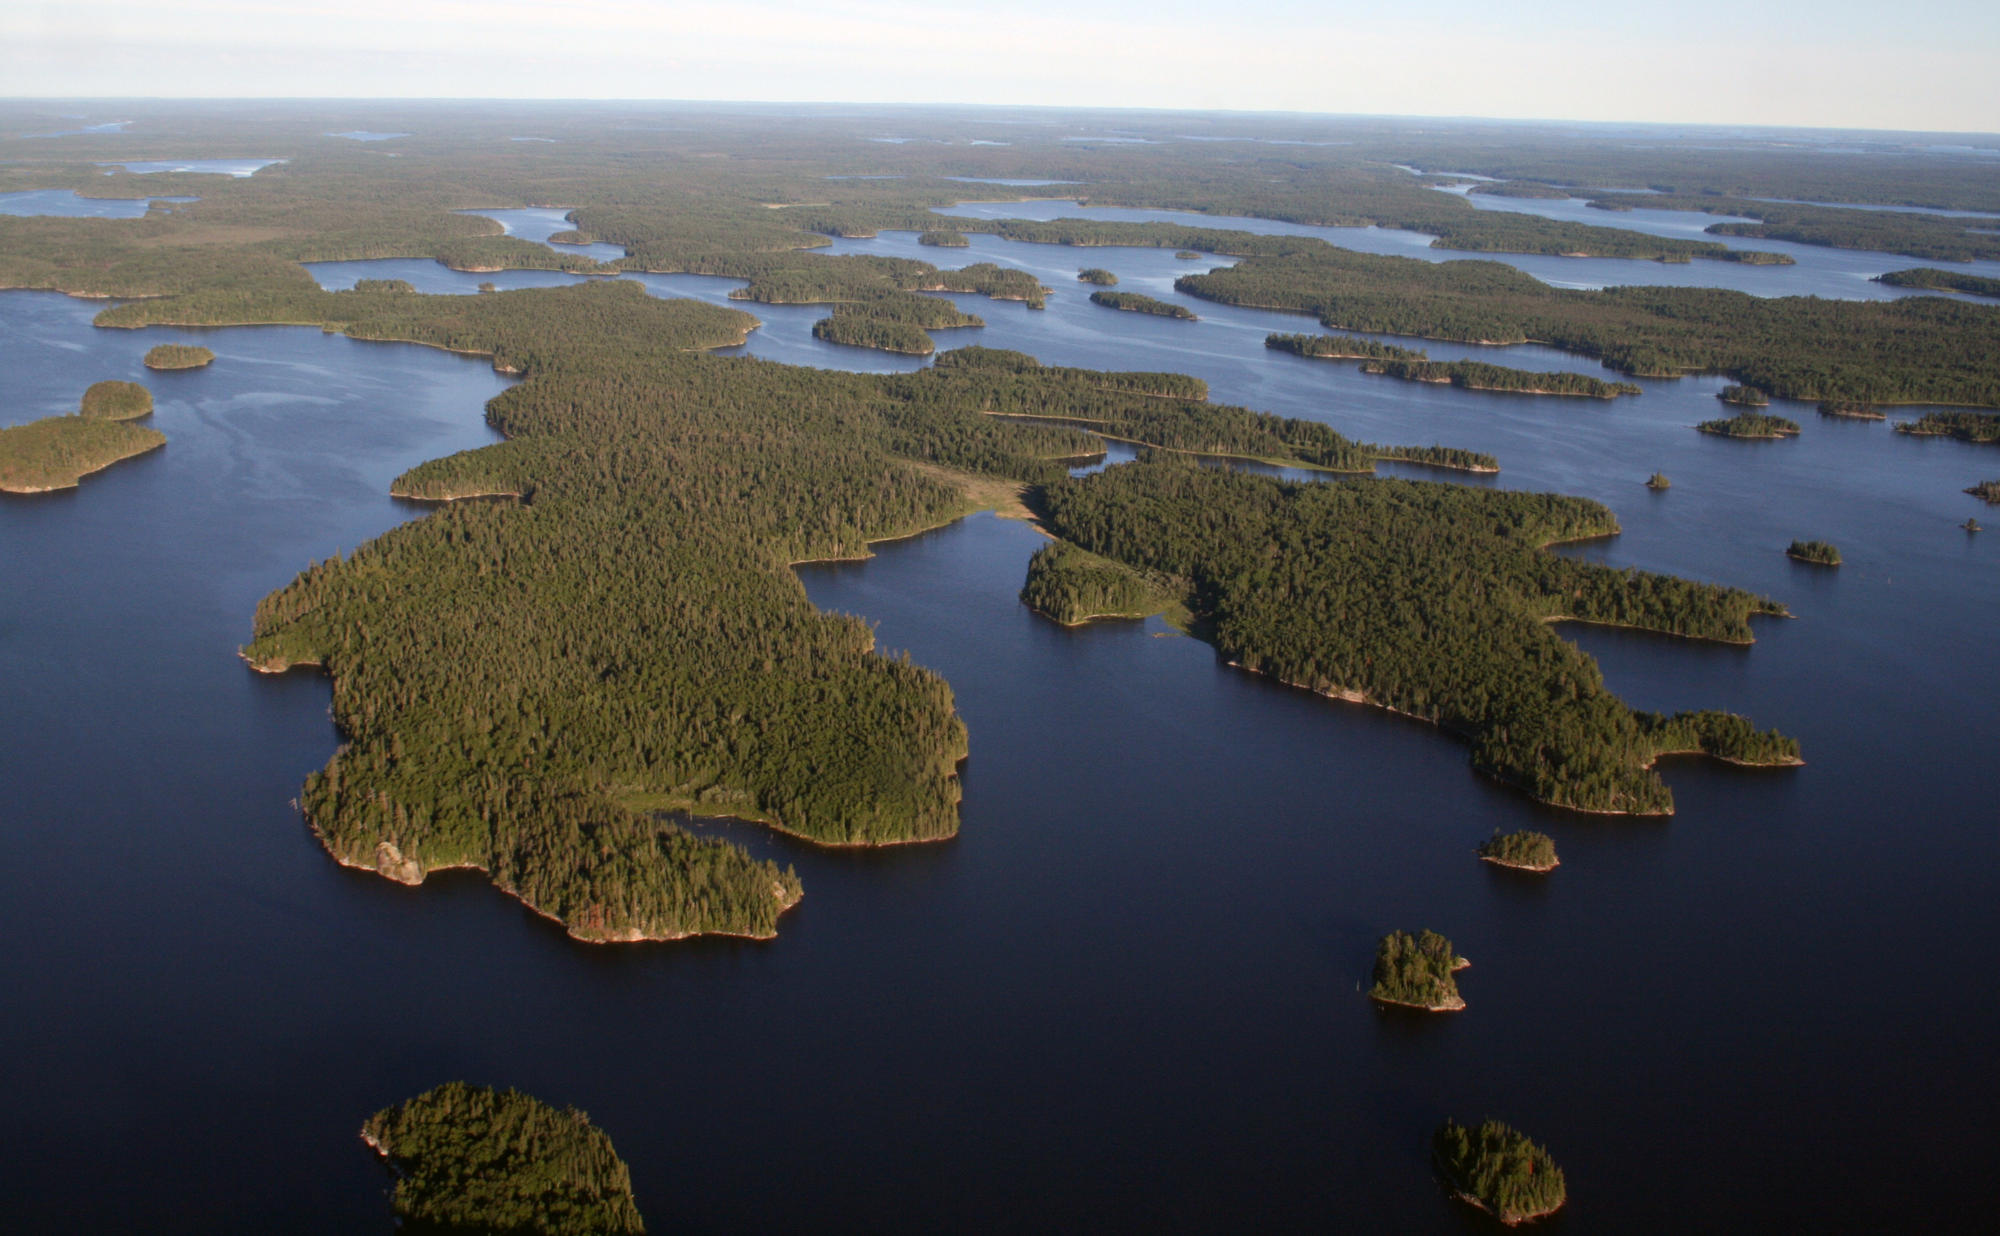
(66, 203)
(220, 167)
(1127, 996)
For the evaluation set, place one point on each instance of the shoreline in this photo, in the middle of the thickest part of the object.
(1535, 868)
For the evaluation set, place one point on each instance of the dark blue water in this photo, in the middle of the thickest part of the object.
(1125, 997)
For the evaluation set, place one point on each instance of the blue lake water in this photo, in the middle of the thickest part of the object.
(1126, 996)
(66, 203)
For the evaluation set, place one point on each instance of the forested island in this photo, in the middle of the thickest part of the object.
(1965, 426)
(1427, 599)
(1658, 481)
(1751, 425)
(472, 1159)
(943, 238)
(1097, 275)
(1497, 1169)
(1341, 347)
(1524, 850)
(1134, 302)
(181, 356)
(1074, 587)
(1416, 971)
(1744, 396)
(56, 452)
(1849, 410)
(1414, 365)
(1986, 491)
(1818, 553)
(1931, 279)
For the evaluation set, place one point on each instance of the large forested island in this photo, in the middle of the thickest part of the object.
(479, 1161)
(56, 452)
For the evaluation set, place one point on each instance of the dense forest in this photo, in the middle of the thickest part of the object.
(1524, 849)
(1499, 1170)
(1073, 587)
(181, 356)
(472, 1159)
(1135, 302)
(1751, 425)
(1432, 600)
(1917, 350)
(1819, 553)
(1416, 970)
(56, 452)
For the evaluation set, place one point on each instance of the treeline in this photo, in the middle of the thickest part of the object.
(476, 1159)
(1433, 600)
(1916, 350)
(1932, 279)
(1134, 302)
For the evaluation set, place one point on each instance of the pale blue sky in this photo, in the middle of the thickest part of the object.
(1920, 64)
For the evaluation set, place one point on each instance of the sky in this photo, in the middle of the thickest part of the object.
(1918, 64)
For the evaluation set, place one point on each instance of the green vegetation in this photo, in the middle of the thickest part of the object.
(1750, 425)
(1188, 255)
(1965, 426)
(943, 238)
(474, 1159)
(1935, 280)
(1819, 553)
(58, 451)
(1097, 275)
(1916, 350)
(1744, 396)
(860, 330)
(1416, 970)
(112, 400)
(1340, 347)
(1134, 302)
(180, 356)
(1524, 849)
(1658, 481)
(1074, 587)
(1850, 410)
(1429, 599)
(398, 285)
(1986, 491)
(1498, 1170)
(1478, 376)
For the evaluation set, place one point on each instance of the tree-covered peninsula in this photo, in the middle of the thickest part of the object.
(472, 1159)
(1744, 396)
(1751, 425)
(56, 452)
(1414, 365)
(1524, 850)
(1416, 971)
(1135, 302)
(1073, 587)
(1931, 279)
(1986, 491)
(1426, 599)
(113, 400)
(1497, 1169)
(1097, 275)
(182, 356)
(1965, 426)
(1818, 553)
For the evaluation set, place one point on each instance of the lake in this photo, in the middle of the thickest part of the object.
(1127, 996)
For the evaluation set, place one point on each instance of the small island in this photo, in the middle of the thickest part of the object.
(394, 287)
(1986, 491)
(1970, 525)
(1851, 410)
(475, 1159)
(1965, 426)
(1414, 365)
(1751, 425)
(1658, 482)
(58, 451)
(1097, 275)
(1073, 586)
(1744, 396)
(1523, 850)
(1341, 347)
(1819, 553)
(860, 330)
(1497, 1169)
(178, 356)
(1188, 255)
(1133, 302)
(112, 400)
(1415, 971)
(944, 238)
